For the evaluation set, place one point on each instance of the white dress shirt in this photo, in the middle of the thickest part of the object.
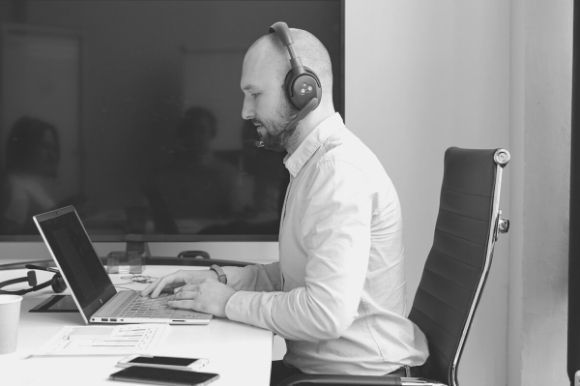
(337, 295)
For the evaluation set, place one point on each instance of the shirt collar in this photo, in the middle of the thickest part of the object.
(295, 161)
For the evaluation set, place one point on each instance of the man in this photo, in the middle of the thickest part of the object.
(337, 295)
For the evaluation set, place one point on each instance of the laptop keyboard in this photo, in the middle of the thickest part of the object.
(137, 306)
(143, 307)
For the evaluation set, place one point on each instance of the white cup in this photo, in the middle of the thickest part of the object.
(9, 317)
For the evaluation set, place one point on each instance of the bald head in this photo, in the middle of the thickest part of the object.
(278, 123)
(269, 57)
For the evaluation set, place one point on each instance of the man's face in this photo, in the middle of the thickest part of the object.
(265, 104)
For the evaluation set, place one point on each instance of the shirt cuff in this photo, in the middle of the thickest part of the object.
(237, 277)
(239, 308)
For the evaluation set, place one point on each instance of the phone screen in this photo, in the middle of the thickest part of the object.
(161, 360)
(163, 376)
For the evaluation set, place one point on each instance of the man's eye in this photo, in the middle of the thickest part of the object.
(255, 94)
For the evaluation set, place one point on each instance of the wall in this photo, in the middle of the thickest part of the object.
(541, 112)
(434, 75)
(481, 74)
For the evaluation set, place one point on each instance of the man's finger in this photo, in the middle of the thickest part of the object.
(166, 281)
(184, 304)
(147, 290)
(187, 287)
(159, 287)
(183, 295)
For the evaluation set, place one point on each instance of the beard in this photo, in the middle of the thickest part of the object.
(277, 131)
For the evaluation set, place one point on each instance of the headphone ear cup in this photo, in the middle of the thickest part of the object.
(302, 88)
(57, 283)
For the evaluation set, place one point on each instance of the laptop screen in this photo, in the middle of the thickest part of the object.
(76, 257)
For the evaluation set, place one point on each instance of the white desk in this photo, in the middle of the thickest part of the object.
(241, 354)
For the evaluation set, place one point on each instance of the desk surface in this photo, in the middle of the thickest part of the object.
(241, 354)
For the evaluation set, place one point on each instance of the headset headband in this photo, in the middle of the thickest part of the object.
(301, 84)
(283, 32)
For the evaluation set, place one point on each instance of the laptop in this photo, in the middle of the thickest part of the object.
(92, 290)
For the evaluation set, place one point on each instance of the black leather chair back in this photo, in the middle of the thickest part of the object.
(458, 263)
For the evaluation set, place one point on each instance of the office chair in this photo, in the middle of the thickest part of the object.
(455, 271)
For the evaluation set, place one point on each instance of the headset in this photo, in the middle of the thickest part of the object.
(301, 85)
(57, 282)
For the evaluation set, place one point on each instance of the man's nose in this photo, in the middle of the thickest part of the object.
(247, 109)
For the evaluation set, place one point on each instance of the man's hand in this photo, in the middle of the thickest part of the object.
(177, 279)
(209, 296)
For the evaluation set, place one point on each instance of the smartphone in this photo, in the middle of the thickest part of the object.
(161, 376)
(165, 362)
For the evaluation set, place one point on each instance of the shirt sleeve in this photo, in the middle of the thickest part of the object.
(336, 235)
(259, 277)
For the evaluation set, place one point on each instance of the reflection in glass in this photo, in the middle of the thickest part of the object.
(144, 96)
(28, 183)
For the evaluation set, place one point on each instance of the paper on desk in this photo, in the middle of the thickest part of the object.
(104, 340)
